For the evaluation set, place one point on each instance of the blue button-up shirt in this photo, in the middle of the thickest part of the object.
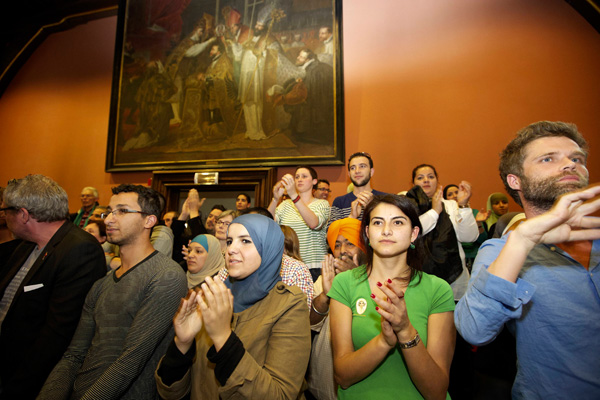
(554, 312)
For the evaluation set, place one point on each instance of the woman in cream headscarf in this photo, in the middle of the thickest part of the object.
(204, 259)
(497, 203)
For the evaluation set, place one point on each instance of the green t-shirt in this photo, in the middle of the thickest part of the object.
(425, 296)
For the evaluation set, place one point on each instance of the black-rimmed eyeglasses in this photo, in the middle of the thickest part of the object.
(119, 212)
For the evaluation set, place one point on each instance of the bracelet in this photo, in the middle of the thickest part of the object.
(411, 343)
(465, 206)
(297, 199)
(318, 312)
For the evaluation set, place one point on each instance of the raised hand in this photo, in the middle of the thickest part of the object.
(464, 193)
(217, 310)
(482, 215)
(327, 272)
(278, 191)
(185, 251)
(436, 200)
(187, 322)
(290, 186)
(194, 202)
(185, 211)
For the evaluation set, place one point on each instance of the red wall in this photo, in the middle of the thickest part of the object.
(447, 83)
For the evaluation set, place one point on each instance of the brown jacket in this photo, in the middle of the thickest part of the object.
(276, 335)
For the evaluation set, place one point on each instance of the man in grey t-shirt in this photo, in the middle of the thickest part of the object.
(126, 322)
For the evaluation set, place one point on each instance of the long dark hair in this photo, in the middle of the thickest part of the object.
(414, 257)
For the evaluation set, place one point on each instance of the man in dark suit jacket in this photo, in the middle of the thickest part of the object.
(43, 283)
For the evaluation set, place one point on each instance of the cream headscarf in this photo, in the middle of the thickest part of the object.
(214, 260)
(493, 218)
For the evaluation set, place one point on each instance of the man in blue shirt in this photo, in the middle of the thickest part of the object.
(543, 278)
(360, 171)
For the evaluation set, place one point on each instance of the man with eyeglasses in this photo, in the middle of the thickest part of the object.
(125, 326)
(44, 279)
(360, 171)
(322, 190)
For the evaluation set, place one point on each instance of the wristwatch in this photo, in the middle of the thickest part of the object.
(411, 343)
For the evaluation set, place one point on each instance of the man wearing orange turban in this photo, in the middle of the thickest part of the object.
(349, 228)
(343, 237)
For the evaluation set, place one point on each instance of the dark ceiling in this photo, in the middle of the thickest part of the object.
(24, 24)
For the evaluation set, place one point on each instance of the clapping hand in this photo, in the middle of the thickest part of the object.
(344, 263)
(328, 272)
(464, 193)
(436, 200)
(287, 181)
(194, 203)
(187, 321)
(482, 215)
(393, 310)
(185, 250)
(217, 310)
(568, 220)
(278, 191)
(358, 205)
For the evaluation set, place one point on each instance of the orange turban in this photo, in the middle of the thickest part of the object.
(348, 228)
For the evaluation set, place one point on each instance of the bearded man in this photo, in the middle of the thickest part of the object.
(360, 171)
(543, 279)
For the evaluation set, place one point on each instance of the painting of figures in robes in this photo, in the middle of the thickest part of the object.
(224, 83)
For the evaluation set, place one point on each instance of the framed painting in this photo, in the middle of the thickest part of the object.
(226, 83)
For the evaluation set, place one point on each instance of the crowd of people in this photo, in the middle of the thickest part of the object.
(378, 295)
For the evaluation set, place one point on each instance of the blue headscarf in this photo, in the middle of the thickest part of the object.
(202, 241)
(268, 240)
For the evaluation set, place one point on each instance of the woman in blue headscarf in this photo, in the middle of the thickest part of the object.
(246, 338)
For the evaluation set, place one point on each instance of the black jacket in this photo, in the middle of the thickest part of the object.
(40, 323)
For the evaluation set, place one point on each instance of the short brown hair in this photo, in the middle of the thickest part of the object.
(291, 244)
(512, 157)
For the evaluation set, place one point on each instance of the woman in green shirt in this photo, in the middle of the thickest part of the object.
(392, 325)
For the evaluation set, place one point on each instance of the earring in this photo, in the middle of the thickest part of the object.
(412, 246)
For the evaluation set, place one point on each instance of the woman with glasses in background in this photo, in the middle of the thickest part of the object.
(223, 222)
